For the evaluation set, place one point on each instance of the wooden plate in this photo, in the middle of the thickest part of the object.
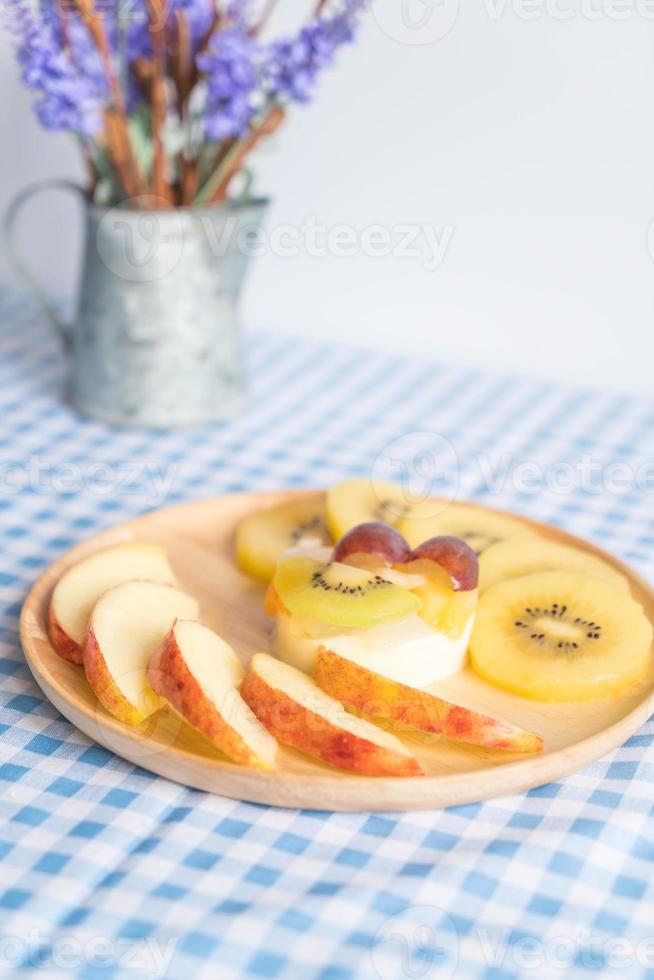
(199, 538)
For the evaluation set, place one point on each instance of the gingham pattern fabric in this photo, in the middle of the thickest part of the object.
(106, 870)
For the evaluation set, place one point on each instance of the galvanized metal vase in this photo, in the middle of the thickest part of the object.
(155, 342)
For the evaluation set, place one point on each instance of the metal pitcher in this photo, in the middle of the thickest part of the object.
(155, 342)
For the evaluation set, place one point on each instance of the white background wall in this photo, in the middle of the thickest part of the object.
(531, 139)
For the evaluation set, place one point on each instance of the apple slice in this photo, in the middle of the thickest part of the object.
(298, 713)
(127, 626)
(198, 674)
(378, 697)
(78, 590)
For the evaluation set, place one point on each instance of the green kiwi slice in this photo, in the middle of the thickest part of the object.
(341, 595)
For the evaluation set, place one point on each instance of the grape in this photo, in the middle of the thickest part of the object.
(454, 556)
(373, 538)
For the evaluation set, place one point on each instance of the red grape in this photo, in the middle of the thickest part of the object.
(373, 538)
(454, 556)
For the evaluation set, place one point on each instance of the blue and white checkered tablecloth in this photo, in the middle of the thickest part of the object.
(106, 870)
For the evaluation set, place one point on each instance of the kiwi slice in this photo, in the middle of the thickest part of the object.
(479, 528)
(262, 538)
(341, 595)
(517, 557)
(560, 636)
(354, 502)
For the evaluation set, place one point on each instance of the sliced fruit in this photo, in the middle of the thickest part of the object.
(78, 590)
(479, 528)
(448, 594)
(407, 580)
(444, 609)
(263, 538)
(272, 604)
(375, 696)
(354, 502)
(454, 556)
(127, 626)
(198, 674)
(511, 559)
(294, 709)
(372, 539)
(560, 636)
(341, 595)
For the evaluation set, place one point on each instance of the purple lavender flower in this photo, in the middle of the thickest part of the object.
(230, 65)
(293, 64)
(239, 76)
(68, 97)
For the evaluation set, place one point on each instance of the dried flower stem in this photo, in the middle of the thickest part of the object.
(91, 170)
(215, 190)
(142, 69)
(118, 149)
(225, 147)
(156, 24)
(119, 144)
(181, 62)
(181, 69)
(189, 179)
(264, 20)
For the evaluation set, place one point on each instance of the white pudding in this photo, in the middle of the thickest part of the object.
(408, 651)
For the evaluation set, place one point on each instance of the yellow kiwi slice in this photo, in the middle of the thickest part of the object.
(560, 636)
(511, 559)
(340, 595)
(446, 610)
(479, 528)
(354, 502)
(262, 538)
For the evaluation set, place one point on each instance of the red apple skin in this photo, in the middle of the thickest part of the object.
(453, 555)
(169, 676)
(372, 695)
(103, 686)
(373, 538)
(307, 731)
(61, 642)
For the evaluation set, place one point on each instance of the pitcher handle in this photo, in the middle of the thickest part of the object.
(34, 287)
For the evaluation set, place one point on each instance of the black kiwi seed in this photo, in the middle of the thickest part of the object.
(318, 581)
(390, 511)
(556, 611)
(315, 524)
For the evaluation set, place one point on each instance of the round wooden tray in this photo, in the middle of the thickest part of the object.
(199, 539)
